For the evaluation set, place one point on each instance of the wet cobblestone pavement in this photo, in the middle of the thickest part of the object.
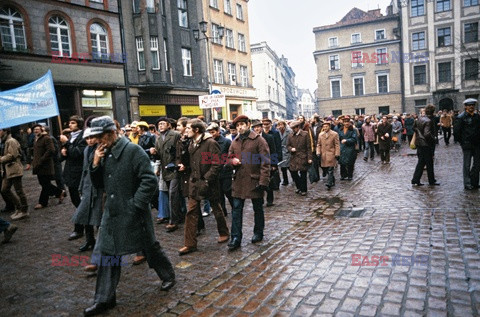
(302, 268)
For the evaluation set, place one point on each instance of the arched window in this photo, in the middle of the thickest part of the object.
(12, 30)
(60, 42)
(99, 39)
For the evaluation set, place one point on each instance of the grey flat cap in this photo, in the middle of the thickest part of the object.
(102, 124)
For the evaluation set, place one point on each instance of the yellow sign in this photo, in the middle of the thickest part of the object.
(152, 110)
(191, 111)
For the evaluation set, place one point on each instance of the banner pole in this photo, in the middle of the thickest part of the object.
(60, 124)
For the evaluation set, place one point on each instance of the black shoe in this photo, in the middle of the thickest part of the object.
(87, 246)
(99, 308)
(469, 187)
(234, 244)
(75, 235)
(297, 191)
(365, 159)
(417, 184)
(349, 178)
(257, 238)
(270, 204)
(166, 285)
(434, 184)
(285, 184)
(200, 232)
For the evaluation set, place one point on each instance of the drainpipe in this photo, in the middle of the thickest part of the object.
(402, 75)
(124, 50)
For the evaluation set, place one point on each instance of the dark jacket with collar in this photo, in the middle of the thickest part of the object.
(72, 171)
(224, 143)
(467, 130)
(147, 141)
(425, 129)
(272, 148)
(278, 146)
(43, 151)
(166, 153)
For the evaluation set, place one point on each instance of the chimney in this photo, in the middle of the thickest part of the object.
(390, 10)
(375, 13)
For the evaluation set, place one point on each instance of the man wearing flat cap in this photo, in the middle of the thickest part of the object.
(298, 144)
(466, 130)
(328, 151)
(127, 225)
(250, 158)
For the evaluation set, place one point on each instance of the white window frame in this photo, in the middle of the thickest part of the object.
(232, 73)
(384, 34)
(329, 62)
(187, 62)
(333, 38)
(359, 36)
(379, 62)
(227, 7)
(154, 52)
(358, 65)
(218, 77)
(388, 83)
(59, 27)
(340, 86)
(239, 12)
(244, 76)
(213, 4)
(363, 85)
(229, 38)
(216, 34)
(101, 36)
(14, 17)
(182, 13)
(150, 6)
(140, 53)
(242, 45)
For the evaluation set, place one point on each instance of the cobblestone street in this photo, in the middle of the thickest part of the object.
(302, 268)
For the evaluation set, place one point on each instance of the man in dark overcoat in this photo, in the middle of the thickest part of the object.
(384, 132)
(298, 144)
(348, 153)
(127, 224)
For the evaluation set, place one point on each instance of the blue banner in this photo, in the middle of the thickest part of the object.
(31, 102)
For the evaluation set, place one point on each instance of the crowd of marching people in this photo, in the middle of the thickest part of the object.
(186, 169)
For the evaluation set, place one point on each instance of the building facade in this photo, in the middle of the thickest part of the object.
(79, 41)
(269, 80)
(228, 57)
(290, 88)
(358, 63)
(306, 105)
(440, 40)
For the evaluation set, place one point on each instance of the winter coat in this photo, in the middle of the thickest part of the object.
(12, 158)
(368, 132)
(43, 150)
(382, 129)
(204, 182)
(271, 148)
(166, 153)
(72, 171)
(348, 154)
(183, 157)
(89, 211)
(224, 144)
(299, 159)
(254, 171)
(328, 147)
(285, 153)
(409, 122)
(425, 129)
(127, 177)
(147, 141)
(278, 147)
(466, 130)
(396, 127)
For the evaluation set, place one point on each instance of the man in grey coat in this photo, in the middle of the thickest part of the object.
(127, 225)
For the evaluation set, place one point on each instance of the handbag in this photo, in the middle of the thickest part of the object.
(412, 143)
(274, 180)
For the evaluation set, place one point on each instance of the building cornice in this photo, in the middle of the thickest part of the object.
(355, 47)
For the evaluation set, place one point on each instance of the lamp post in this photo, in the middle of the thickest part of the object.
(203, 28)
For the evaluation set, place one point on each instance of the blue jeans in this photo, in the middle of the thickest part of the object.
(163, 206)
(369, 147)
(3, 225)
(237, 217)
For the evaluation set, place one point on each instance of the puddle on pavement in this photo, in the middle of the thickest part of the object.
(330, 206)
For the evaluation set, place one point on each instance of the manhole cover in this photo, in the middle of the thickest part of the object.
(350, 213)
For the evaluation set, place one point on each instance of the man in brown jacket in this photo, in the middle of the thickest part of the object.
(204, 183)
(12, 170)
(250, 158)
(298, 144)
(328, 151)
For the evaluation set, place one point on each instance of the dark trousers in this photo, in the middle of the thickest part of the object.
(176, 215)
(409, 137)
(361, 142)
(226, 191)
(191, 220)
(285, 175)
(369, 147)
(4, 225)
(346, 170)
(89, 233)
(19, 201)
(108, 276)
(269, 196)
(237, 217)
(447, 133)
(48, 189)
(300, 179)
(385, 155)
(75, 198)
(425, 158)
(330, 176)
(471, 173)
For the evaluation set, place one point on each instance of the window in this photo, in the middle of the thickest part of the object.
(471, 69)
(336, 113)
(97, 102)
(358, 86)
(443, 5)
(232, 74)
(12, 30)
(382, 56)
(418, 41)
(382, 84)
(443, 37)
(469, 3)
(417, 8)
(333, 42)
(227, 7)
(218, 71)
(380, 35)
(216, 36)
(98, 38)
(384, 109)
(471, 32)
(357, 60)
(356, 38)
(166, 54)
(187, 62)
(230, 41)
(136, 6)
(151, 6)
(244, 76)
(97, 1)
(214, 4)
(335, 89)
(420, 103)
(242, 47)
(420, 75)
(359, 111)
(444, 72)
(239, 12)
(334, 62)
(140, 53)
(182, 13)
(59, 36)
(154, 51)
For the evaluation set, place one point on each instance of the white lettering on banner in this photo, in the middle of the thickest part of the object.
(211, 101)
